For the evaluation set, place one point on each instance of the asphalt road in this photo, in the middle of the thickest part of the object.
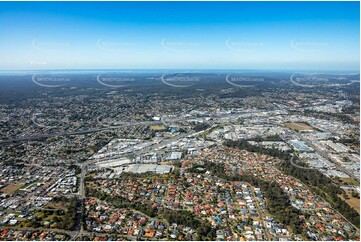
(124, 125)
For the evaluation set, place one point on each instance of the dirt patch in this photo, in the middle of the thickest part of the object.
(11, 188)
(157, 127)
(299, 126)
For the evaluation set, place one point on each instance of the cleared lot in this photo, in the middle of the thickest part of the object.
(299, 126)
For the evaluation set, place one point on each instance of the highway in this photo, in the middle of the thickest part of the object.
(83, 166)
(124, 125)
(92, 130)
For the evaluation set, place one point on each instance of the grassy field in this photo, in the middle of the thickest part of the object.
(53, 205)
(206, 132)
(349, 181)
(28, 186)
(298, 126)
(352, 201)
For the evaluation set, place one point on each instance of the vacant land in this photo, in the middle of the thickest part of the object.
(53, 205)
(299, 126)
(11, 188)
(157, 127)
(349, 181)
(352, 201)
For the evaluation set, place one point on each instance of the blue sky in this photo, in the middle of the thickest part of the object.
(185, 35)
